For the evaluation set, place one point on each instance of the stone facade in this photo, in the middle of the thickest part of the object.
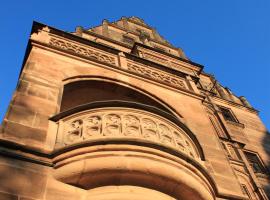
(117, 112)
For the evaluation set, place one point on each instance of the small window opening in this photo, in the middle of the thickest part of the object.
(255, 163)
(227, 114)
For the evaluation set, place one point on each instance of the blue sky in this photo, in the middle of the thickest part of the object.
(231, 38)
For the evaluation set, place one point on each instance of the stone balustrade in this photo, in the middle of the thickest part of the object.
(123, 123)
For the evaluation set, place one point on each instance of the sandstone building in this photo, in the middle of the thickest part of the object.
(117, 112)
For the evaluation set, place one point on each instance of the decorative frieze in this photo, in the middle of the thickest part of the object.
(124, 123)
(84, 51)
(157, 75)
(155, 58)
(166, 61)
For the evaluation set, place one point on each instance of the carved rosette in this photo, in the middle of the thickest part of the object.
(124, 123)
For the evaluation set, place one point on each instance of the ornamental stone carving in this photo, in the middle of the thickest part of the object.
(157, 75)
(108, 123)
(167, 61)
(84, 51)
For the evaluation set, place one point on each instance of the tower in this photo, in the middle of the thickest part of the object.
(117, 112)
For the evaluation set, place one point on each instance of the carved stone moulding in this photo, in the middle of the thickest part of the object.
(97, 168)
(88, 52)
(167, 61)
(157, 75)
(103, 144)
(119, 123)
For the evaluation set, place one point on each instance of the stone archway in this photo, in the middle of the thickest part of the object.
(102, 90)
(113, 140)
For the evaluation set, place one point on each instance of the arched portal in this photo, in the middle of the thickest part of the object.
(88, 91)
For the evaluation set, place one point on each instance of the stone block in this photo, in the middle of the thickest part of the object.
(57, 191)
(24, 165)
(22, 182)
(36, 90)
(214, 153)
(21, 115)
(41, 121)
(52, 95)
(26, 198)
(228, 185)
(222, 168)
(36, 104)
(20, 131)
(30, 66)
(23, 85)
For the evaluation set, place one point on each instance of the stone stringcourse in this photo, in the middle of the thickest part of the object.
(156, 75)
(88, 52)
(124, 123)
(92, 53)
(164, 60)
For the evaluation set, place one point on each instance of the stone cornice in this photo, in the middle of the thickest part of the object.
(38, 26)
(115, 68)
(154, 64)
(72, 46)
(218, 99)
(199, 66)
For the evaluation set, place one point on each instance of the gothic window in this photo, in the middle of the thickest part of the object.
(227, 114)
(255, 162)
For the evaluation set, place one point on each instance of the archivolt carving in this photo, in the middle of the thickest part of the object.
(88, 52)
(157, 75)
(124, 123)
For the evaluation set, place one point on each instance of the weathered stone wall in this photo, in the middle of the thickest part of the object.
(29, 134)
